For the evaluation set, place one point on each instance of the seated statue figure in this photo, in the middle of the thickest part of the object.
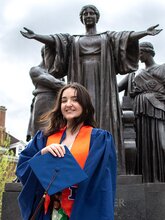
(46, 89)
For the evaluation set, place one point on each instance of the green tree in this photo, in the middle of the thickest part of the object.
(7, 167)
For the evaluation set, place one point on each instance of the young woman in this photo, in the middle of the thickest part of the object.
(71, 123)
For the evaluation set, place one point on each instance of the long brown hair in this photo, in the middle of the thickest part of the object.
(54, 119)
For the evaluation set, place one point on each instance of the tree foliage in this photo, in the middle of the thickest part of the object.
(7, 168)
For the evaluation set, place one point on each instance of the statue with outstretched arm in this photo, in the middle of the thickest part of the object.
(93, 59)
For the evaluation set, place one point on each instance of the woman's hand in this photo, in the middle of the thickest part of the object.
(153, 31)
(57, 150)
(28, 34)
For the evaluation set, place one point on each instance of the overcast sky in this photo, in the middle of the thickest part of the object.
(18, 54)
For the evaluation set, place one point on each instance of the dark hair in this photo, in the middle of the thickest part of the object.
(147, 47)
(91, 7)
(54, 119)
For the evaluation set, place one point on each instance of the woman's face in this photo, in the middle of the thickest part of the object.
(70, 107)
(89, 17)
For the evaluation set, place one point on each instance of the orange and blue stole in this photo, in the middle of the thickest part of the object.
(79, 150)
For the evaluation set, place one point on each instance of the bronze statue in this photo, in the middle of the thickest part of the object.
(46, 89)
(128, 122)
(126, 84)
(149, 109)
(93, 59)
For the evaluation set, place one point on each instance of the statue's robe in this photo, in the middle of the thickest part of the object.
(149, 108)
(94, 61)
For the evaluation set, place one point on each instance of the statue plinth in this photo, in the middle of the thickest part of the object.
(134, 200)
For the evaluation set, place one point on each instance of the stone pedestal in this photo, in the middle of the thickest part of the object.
(134, 200)
(130, 199)
(10, 209)
(139, 201)
(155, 201)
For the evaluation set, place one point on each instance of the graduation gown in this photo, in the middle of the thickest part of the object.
(95, 196)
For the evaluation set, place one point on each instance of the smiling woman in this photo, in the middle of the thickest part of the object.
(73, 108)
(70, 106)
(70, 125)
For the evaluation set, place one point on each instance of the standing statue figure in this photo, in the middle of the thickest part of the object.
(149, 108)
(93, 59)
(45, 92)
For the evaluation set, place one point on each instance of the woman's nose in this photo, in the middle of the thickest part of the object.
(69, 103)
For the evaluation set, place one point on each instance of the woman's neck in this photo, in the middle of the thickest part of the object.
(69, 128)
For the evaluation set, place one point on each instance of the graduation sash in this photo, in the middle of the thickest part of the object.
(79, 150)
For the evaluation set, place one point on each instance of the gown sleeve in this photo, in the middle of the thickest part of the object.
(31, 188)
(32, 149)
(96, 195)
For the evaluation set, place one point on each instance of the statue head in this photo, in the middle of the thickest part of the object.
(147, 47)
(91, 7)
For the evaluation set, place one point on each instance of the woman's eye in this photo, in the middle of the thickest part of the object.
(74, 99)
(63, 101)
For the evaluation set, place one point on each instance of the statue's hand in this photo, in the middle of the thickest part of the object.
(28, 34)
(153, 31)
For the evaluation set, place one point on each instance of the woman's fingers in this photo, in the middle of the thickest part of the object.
(56, 150)
(50, 150)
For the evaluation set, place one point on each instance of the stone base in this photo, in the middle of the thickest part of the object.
(134, 200)
(130, 202)
(139, 201)
(10, 209)
(155, 201)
